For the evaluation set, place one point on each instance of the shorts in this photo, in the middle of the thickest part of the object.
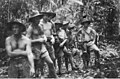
(40, 52)
(19, 68)
(44, 51)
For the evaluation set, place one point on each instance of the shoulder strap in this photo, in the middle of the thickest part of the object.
(88, 34)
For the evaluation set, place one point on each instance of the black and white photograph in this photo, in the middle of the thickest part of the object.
(60, 39)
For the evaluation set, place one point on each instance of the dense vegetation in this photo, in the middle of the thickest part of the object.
(103, 13)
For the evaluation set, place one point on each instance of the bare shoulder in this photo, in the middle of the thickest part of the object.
(26, 38)
(30, 27)
(9, 38)
(41, 22)
(63, 30)
(50, 22)
(91, 28)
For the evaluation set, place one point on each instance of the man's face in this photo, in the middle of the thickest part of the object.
(36, 20)
(86, 24)
(57, 27)
(15, 29)
(50, 17)
(45, 17)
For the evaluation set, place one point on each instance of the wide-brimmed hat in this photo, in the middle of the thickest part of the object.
(11, 23)
(58, 22)
(71, 26)
(85, 21)
(49, 14)
(65, 23)
(61, 24)
(34, 15)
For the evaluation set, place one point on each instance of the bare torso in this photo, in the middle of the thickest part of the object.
(36, 34)
(19, 44)
(46, 27)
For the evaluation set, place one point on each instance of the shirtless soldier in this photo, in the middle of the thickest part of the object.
(18, 48)
(48, 28)
(39, 49)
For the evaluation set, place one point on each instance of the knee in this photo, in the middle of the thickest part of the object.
(95, 48)
(50, 63)
(98, 50)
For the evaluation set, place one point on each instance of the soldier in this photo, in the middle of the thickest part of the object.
(61, 47)
(38, 43)
(18, 48)
(88, 37)
(73, 46)
(47, 27)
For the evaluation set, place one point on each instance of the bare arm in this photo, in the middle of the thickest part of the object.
(53, 28)
(64, 41)
(37, 40)
(29, 31)
(15, 52)
(42, 38)
(30, 54)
